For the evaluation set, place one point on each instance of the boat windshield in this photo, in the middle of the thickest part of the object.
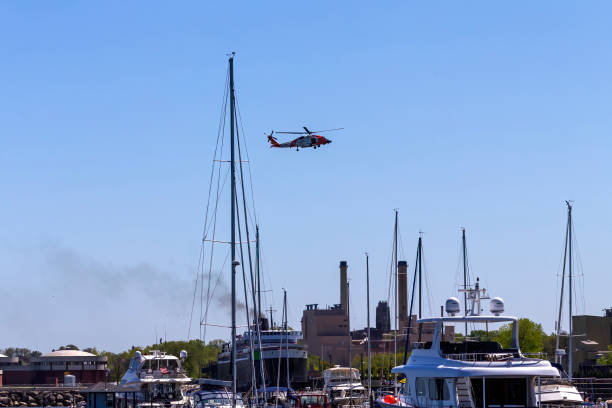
(161, 364)
(215, 399)
(343, 374)
(307, 400)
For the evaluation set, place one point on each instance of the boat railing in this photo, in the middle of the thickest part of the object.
(479, 356)
(540, 355)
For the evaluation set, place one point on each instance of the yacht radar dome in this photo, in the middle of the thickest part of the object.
(497, 306)
(183, 354)
(452, 306)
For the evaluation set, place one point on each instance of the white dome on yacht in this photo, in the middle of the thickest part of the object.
(452, 306)
(497, 306)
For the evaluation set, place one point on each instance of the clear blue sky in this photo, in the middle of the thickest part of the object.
(484, 115)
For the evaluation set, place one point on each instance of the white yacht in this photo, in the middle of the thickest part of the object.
(158, 378)
(343, 387)
(213, 394)
(473, 374)
(559, 393)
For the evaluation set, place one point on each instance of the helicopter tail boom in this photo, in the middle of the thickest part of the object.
(273, 142)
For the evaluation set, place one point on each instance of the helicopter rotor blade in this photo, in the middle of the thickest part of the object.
(292, 133)
(326, 130)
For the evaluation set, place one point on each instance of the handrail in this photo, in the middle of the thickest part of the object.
(479, 356)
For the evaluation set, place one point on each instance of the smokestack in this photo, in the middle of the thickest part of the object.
(402, 294)
(343, 288)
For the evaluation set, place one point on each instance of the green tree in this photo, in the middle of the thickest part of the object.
(531, 336)
(606, 359)
(24, 354)
(316, 365)
(382, 363)
(483, 335)
(68, 347)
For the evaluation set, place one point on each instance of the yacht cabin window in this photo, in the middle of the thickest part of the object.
(421, 387)
(407, 387)
(436, 389)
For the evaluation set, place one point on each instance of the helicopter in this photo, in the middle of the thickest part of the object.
(308, 139)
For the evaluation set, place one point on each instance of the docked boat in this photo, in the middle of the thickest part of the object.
(280, 349)
(343, 387)
(558, 392)
(157, 380)
(213, 394)
(473, 373)
(311, 399)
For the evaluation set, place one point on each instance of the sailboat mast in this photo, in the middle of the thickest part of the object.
(464, 278)
(571, 342)
(414, 279)
(233, 225)
(257, 272)
(395, 282)
(348, 315)
(258, 314)
(558, 357)
(420, 264)
(369, 350)
(286, 340)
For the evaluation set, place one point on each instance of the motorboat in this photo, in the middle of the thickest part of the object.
(213, 394)
(473, 374)
(312, 399)
(343, 387)
(157, 378)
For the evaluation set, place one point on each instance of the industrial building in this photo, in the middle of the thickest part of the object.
(593, 336)
(326, 330)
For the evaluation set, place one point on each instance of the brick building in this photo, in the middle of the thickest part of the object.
(326, 331)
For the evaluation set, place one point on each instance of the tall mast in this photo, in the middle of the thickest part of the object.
(557, 356)
(286, 339)
(396, 300)
(420, 265)
(257, 272)
(571, 342)
(258, 314)
(395, 282)
(369, 350)
(464, 278)
(414, 279)
(348, 315)
(233, 225)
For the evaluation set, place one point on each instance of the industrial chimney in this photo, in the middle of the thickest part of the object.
(343, 288)
(402, 294)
